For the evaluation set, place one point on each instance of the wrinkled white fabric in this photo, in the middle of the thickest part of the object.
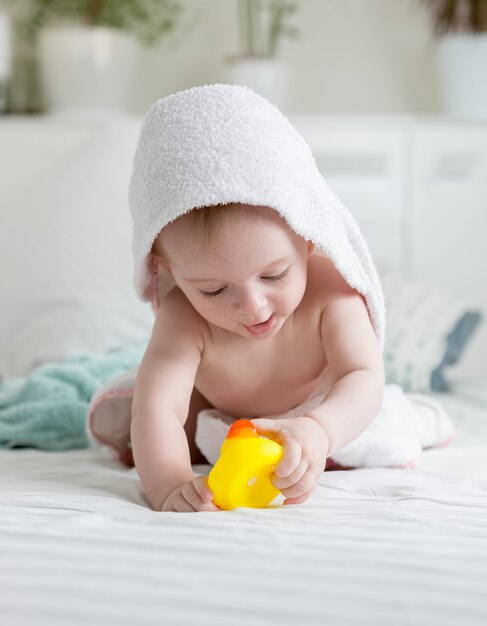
(405, 425)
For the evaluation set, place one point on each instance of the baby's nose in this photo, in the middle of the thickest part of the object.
(251, 302)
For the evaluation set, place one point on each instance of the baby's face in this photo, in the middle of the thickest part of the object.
(253, 272)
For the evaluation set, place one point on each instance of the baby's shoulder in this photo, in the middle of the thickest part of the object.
(325, 283)
(176, 315)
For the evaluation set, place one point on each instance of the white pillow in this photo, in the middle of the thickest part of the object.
(427, 331)
(65, 260)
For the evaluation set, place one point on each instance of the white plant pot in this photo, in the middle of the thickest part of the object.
(462, 65)
(268, 77)
(86, 71)
(5, 57)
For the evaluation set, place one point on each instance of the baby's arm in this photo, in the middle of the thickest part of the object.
(355, 396)
(160, 407)
(356, 368)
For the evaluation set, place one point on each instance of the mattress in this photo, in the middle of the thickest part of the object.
(80, 545)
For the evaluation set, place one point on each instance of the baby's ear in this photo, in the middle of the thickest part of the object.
(160, 260)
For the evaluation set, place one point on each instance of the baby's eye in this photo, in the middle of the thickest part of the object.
(278, 277)
(212, 294)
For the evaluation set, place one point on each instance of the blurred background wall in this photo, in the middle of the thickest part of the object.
(353, 56)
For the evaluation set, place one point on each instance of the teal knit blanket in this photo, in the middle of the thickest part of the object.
(48, 408)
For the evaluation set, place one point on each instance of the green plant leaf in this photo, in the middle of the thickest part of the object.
(148, 20)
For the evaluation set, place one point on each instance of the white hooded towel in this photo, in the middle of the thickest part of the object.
(220, 144)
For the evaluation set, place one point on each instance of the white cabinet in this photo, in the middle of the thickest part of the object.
(417, 188)
(364, 163)
(449, 206)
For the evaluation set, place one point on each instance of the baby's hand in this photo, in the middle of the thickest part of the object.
(305, 445)
(191, 496)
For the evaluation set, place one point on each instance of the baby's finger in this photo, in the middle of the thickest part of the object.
(291, 458)
(299, 500)
(193, 498)
(188, 493)
(205, 495)
(293, 478)
(181, 505)
(303, 486)
(176, 503)
(304, 496)
(268, 428)
(201, 486)
(208, 507)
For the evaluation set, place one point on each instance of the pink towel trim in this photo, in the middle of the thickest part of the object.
(154, 284)
(117, 393)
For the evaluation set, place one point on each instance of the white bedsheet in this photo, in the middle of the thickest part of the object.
(79, 545)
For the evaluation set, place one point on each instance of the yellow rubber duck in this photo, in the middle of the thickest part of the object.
(241, 475)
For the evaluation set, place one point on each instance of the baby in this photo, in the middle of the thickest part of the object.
(272, 295)
(255, 322)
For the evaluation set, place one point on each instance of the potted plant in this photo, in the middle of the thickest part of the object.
(87, 48)
(263, 25)
(461, 27)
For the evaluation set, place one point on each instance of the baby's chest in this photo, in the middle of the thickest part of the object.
(256, 379)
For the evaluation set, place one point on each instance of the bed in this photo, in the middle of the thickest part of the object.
(79, 543)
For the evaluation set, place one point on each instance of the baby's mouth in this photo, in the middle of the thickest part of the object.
(263, 327)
